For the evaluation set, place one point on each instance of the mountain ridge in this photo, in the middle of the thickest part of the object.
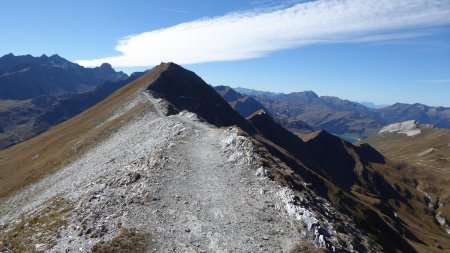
(146, 143)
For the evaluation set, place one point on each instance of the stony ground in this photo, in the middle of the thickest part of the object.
(164, 184)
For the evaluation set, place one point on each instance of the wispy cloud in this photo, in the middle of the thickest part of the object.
(252, 34)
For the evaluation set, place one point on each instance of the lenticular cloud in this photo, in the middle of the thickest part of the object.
(252, 34)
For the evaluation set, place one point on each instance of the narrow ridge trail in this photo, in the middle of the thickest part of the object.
(207, 203)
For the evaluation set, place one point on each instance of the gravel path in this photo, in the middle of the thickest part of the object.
(208, 204)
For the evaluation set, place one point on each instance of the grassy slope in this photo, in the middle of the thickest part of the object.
(429, 171)
(408, 149)
(31, 160)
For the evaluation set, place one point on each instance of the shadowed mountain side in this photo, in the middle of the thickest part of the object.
(359, 181)
(187, 91)
(334, 158)
(228, 93)
(298, 127)
(274, 132)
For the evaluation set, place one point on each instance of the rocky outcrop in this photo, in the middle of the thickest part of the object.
(410, 128)
(187, 91)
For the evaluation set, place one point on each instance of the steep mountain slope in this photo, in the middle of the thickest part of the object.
(24, 77)
(167, 164)
(23, 119)
(186, 91)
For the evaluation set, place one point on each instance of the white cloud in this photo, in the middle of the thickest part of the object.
(252, 34)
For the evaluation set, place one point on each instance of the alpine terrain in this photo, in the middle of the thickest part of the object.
(165, 164)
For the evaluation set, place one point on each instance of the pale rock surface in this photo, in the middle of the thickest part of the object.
(410, 128)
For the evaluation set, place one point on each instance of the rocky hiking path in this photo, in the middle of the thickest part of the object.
(211, 205)
(207, 203)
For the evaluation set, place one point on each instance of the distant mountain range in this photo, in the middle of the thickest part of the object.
(246, 105)
(373, 105)
(39, 92)
(344, 117)
(24, 77)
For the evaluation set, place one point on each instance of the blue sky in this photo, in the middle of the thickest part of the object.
(380, 51)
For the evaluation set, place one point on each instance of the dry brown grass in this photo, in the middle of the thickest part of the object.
(431, 171)
(402, 148)
(31, 160)
(127, 241)
(39, 227)
(306, 248)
